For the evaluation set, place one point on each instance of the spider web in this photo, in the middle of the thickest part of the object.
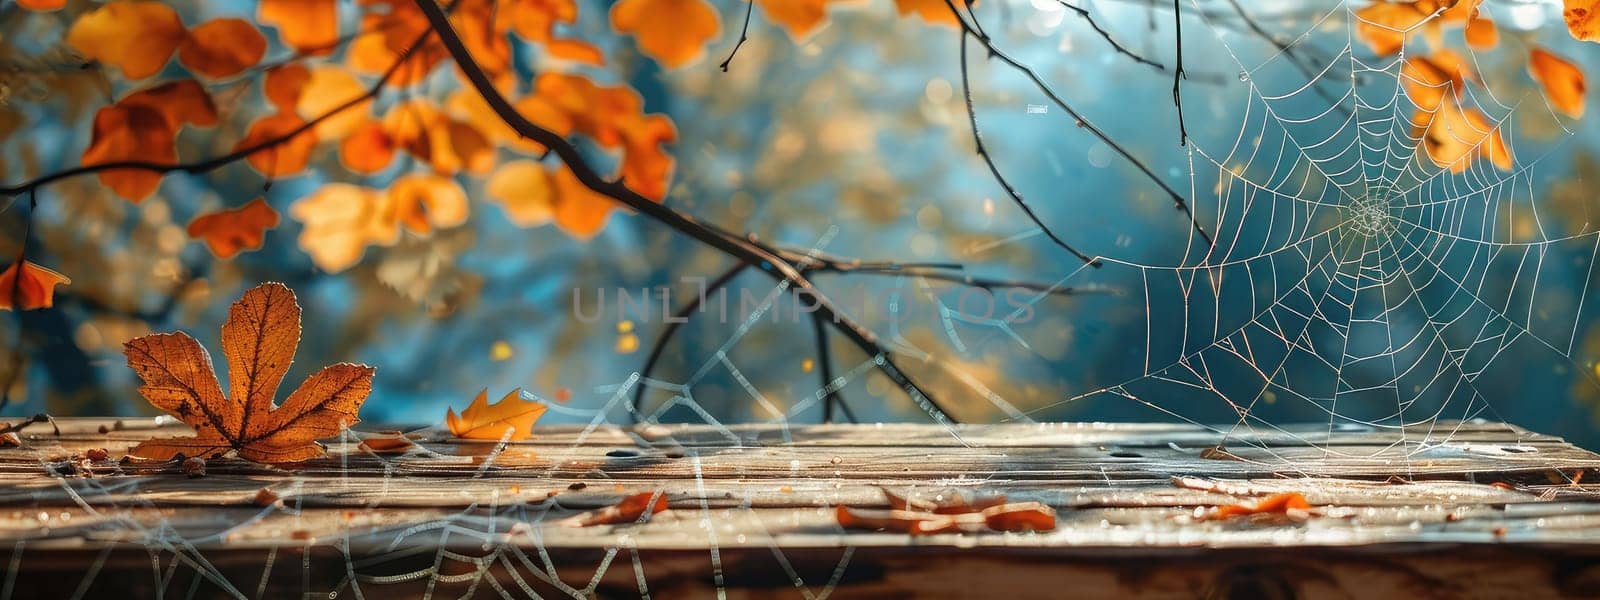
(1353, 275)
(1350, 276)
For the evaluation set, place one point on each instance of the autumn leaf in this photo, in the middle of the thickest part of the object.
(282, 148)
(636, 508)
(1291, 505)
(535, 21)
(1385, 25)
(1014, 517)
(524, 189)
(259, 340)
(305, 25)
(228, 232)
(1562, 82)
(933, 11)
(1481, 34)
(673, 32)
(326, 89)
(798, 17)
(511, 417)
(222, 47)
(143, 127)
(389, 443)
(1454, 134)
(131, 133)
(1583, 19)
(29, 286)
(136, 37)
(284, 84)
(42, 5)
(339, 221)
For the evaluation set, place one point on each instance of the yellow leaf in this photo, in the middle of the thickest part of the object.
(511, 416)
(1583, 19)
(524, 190)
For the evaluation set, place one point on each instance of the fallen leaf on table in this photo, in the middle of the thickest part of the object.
(29, 287)
(388, 443)
(968, 512)
(259, 340)
(1292, 505)
(943, 501)
(484, 421)
(636, 508)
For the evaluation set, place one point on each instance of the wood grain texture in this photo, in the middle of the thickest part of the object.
(1459, 509)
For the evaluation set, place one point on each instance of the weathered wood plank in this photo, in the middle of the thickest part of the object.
(1518, 508)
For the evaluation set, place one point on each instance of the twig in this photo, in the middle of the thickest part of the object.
(825, 372)
(1039, 83)
(38, 418)
(678, 319)
(988, 160)
(1177, 74)
(1106, 35)
(749, 7)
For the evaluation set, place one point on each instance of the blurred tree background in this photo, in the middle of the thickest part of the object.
(853, 139)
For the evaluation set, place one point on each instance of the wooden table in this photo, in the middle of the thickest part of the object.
(1456, 509)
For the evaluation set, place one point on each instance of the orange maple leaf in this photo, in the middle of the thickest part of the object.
(30, 287)
(228, 232)
(674, 32)
(484, 421)
(259, 340)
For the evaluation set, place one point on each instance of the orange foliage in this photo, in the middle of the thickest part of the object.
(1385, 25)
(798, 17)
(136, 37)
(222, 47)
(636, 508)
(29, 287)
(932, 11)
(673, 32)
(259, 340)
(284, 84)
(1292, 505)
(340, 220)
(140, 37)
(1455, 134)
(510, 418)
(1481, 34)
(131, 133)
(1561, 80)
(1014, 517)
(228, 232)
(42, 5)
(367, 150)
(535, 21)
(305, 25)
(1583, 19)
(525, 190)
(277, 156)
(328, 88)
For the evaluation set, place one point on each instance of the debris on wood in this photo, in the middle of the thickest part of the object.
(267, 497)
(948, 501)
(637, 508)
(10, 440)
(194, 467)
(1219, 453)
(97, 454)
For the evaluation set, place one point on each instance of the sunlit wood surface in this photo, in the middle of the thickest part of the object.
(1440, 511)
